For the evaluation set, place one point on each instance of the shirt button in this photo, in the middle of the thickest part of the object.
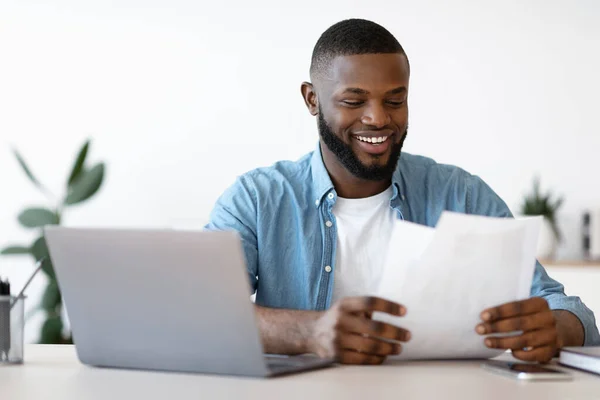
(327, 268)
(317, 202)
(329, 224)
(331, 196)
(403, 198)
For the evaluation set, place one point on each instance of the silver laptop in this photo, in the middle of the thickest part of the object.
(163, 300)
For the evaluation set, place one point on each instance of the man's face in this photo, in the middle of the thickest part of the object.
(362, 112)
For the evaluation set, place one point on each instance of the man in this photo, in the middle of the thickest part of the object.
(312, 229)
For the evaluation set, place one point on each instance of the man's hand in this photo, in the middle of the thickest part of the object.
(347, 332)
(539, 340)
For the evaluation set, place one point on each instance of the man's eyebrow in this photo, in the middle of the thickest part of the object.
(355, 90)
(398, 90)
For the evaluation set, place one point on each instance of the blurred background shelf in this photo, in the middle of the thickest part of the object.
(571, 263)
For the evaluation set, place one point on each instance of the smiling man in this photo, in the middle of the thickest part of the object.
(314, 231)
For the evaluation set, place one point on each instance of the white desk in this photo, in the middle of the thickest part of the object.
(53, 373)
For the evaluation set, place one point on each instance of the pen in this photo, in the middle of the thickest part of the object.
(4, 319)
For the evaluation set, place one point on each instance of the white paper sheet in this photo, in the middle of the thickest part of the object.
(448, 275)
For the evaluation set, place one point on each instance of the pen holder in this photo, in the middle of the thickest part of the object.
(12, 325)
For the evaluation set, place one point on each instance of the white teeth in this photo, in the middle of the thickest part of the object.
(374, 140)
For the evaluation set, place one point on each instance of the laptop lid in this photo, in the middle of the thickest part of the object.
(158, 299)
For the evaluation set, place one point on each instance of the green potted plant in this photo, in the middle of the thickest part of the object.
(537, 203)
(82, 183)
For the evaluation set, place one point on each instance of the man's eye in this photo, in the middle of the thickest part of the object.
(395, 103)
(353, 103)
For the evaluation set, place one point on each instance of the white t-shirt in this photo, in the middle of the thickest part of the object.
(364, 227)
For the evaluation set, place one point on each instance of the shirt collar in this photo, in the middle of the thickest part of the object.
(398, 185)
(322, 184)
(321, 181)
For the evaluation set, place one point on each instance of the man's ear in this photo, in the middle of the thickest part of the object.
(310, 97)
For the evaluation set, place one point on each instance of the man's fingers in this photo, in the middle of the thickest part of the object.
(367, 345)
(514, 309)
(364, 326)
(539, 338)
(527, 323)
(352, 357)
(368, 304)
(540, 354)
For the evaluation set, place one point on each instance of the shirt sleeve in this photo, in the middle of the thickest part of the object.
(235, 210)
(482, 200)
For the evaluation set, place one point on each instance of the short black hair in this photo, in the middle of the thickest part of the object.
(352, 37)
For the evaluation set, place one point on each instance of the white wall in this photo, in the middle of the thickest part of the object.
(181, 96)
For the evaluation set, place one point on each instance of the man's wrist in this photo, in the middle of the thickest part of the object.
(569, 329)
(307, 344)
(285, 331)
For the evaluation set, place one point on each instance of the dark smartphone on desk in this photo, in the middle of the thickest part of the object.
(526, 372)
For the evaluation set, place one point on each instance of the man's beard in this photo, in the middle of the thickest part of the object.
(351, 162)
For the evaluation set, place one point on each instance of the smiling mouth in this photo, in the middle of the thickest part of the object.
(373, 140)
(374, 145)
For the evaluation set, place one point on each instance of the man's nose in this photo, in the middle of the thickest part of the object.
(376, 116)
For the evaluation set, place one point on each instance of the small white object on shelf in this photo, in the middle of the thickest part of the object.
(547, 241)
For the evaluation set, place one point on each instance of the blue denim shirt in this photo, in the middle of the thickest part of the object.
(281, 212)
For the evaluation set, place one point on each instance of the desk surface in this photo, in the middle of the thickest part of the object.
(53, 372)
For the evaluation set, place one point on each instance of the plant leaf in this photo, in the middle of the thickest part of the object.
(37, 217)
(39, 251)
(86, 186)
(78, 166)
(556, 231)
(48, 268)
(26, 168)
(15, 250)
(52, 330)
(536, 186)
(51, 298)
